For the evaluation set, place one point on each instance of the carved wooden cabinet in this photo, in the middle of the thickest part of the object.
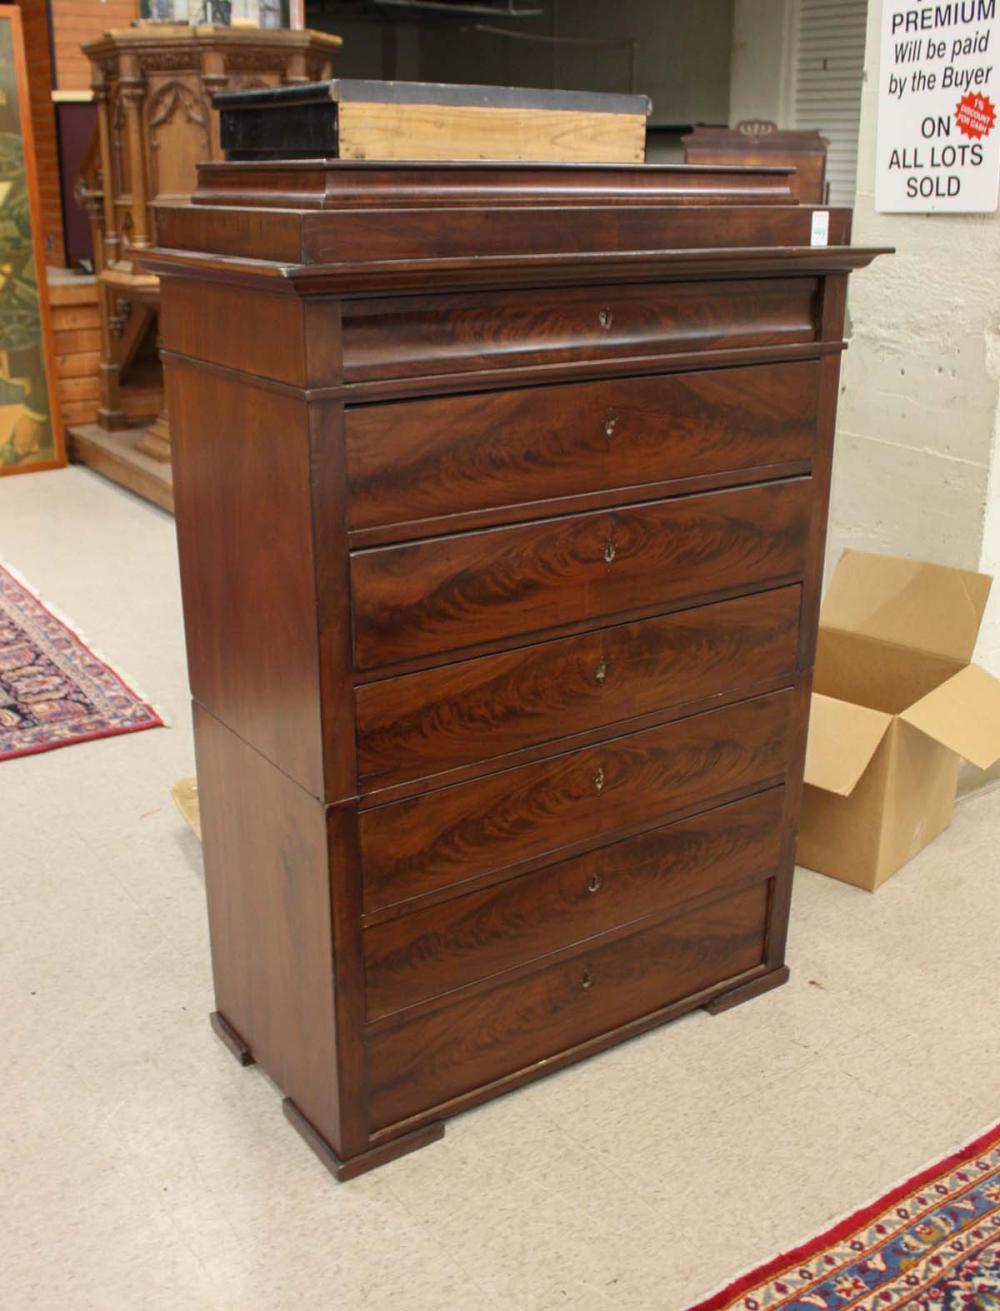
(501, 501)
(153, 84)
(759, 141)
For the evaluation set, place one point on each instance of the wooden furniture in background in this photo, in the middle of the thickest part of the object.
(154, 84)
(757, 141)
(501, 503)
(76, 329)
(350, 118)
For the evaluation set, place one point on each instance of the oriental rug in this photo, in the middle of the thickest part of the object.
(931, 1244)
(54, 691)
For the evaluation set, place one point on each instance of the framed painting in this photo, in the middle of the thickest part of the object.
(30, 430)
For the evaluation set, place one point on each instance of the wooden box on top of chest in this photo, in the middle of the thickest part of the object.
(501, 496)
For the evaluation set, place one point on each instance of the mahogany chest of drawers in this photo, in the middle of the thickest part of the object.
(501, 497)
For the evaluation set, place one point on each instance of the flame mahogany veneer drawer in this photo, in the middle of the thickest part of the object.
(446, 593)
(421, 724)
(444, 838)
(415, 460)
(420, 1064)
(463, 332)
(473, 937)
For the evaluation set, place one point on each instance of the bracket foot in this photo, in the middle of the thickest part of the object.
(762, 983)
(364, 1161)
(225, 1031)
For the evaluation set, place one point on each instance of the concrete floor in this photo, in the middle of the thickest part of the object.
(142, 1168)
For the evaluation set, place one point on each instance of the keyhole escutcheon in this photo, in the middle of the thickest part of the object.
(595, 883)
(601, 672)
(605, 318)
(609, 552)
(599, 779)
(587, 981)
(611, 421)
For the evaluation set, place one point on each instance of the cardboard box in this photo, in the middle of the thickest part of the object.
(895, 704)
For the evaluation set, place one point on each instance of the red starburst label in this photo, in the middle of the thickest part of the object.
(975, 115)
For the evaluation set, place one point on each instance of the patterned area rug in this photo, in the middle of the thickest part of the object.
(53, 690)
(933, 1244)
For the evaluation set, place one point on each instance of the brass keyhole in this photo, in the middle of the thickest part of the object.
(595, 883)
(605, 318)
(587, 981)
(599, 779)
(609, 553)
(601, 672)
(610, 423)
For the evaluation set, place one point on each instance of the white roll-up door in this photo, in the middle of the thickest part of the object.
(830, 60)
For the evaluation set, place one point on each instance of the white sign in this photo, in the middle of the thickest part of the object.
(820, 233)
(938, 140)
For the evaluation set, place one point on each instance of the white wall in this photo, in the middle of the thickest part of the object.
(762, 31)
(917, 428)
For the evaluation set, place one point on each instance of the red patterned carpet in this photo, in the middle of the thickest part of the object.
(932, 1244)
(53, 690)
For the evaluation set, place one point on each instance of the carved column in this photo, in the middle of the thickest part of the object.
(102, 98)
(133, 90)
(109, 410)
(213, 79)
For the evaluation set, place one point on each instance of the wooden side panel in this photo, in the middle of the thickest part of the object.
(832, 310)
(447, 593)
(76, 331)
(443, 718)
(448, 837)
(434, 233)
(413, 131)
(237, 328)
(243, 505)
(269, 913)
(403, 336)
(76, 21)
(436, 950)
(419, 459)
(474, 1041)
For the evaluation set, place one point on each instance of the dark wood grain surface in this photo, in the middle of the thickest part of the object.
(501, 497)
(406, 335)
(447, 837)
(398, 185)
(264, 841)
(421, 459)
(424, 723)
(416, 1065)
(242, 499)
(440, 595)
(380, 235)
(468, 938)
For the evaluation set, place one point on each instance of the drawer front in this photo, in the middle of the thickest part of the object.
(421, 459)
(446, 837)
(421, 724)
(412, 335)
(423, 1063)
(444, 947)
(426, 597)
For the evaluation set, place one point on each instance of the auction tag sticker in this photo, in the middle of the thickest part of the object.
(938, 142)
(820, 234)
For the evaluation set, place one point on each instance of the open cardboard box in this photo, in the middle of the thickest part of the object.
(895, 704)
